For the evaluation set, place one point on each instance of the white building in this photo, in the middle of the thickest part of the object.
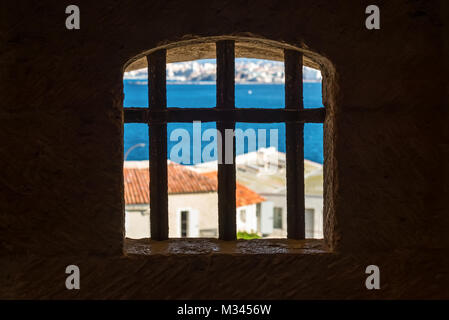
(264, 171)
(192, 203)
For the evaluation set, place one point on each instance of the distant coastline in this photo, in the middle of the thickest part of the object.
(248, 71)
(143, 81)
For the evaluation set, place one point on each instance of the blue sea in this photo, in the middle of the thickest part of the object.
(203, 96)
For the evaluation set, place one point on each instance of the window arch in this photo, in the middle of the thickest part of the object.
(226, 115)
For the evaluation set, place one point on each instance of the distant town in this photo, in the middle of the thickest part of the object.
(246, 71)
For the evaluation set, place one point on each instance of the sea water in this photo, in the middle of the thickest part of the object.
(203, 96)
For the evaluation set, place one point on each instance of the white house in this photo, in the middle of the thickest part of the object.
(192, 202)
(264, 171)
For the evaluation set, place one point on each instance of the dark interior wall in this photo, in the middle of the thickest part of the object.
(61, 152)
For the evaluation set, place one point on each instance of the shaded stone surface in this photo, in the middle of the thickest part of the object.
(386, 150)
(204, 48)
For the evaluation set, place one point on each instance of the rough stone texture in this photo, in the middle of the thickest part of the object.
(386, 150)
(204, 48)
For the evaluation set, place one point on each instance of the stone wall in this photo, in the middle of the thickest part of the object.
(386, 151)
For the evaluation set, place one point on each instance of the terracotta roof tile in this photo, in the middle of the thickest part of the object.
(244, 196)
(180, 180)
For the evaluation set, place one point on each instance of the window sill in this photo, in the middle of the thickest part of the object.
(147, 247)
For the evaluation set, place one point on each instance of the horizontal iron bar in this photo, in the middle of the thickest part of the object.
(135, 115)
(256, 115)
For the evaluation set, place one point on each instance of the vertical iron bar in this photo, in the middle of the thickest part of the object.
(226, 171)
(157, 100)
(294, 147)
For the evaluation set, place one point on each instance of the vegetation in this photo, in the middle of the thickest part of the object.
(247, 236)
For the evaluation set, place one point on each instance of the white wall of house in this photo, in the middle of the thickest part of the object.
(266, 218)
(278, 200)
(247, 218)
(137, 221)
(314, 203)
(203, 214)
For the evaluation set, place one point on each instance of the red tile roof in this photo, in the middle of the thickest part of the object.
(244, 195)
(180, 180)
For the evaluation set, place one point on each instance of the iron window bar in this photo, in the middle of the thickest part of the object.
(225, 114)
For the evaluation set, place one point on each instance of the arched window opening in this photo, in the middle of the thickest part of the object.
(241, 186)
